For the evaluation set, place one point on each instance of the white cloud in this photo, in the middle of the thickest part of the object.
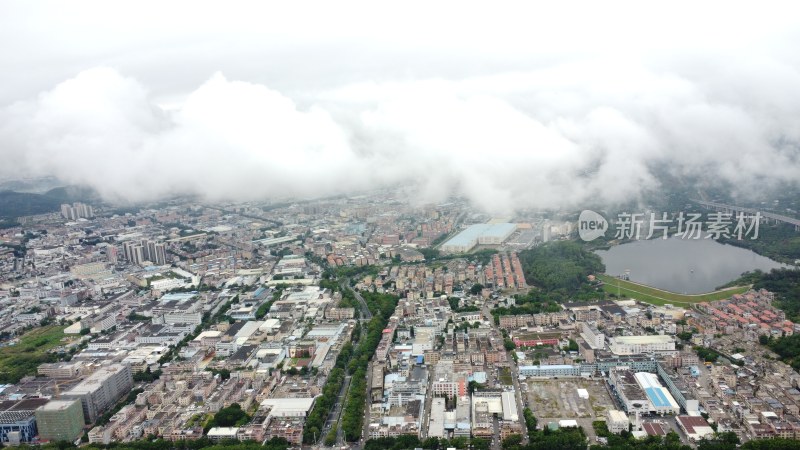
(511, 106)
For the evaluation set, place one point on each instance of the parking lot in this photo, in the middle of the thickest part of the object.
(559, 398)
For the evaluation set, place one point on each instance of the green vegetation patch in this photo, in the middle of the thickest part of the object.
(778, 241)
(559, 266)
(33, 348)
(656, 296)
(505, 376)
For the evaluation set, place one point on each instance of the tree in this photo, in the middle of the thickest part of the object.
(330, 439)
(561, 265)
(720, 441)
(530, 421)
(146, 375)
(476, 289)
(473, 385)
(230, 416)
(573, 346)
(511, 441)
(224, 374)
(685, 335)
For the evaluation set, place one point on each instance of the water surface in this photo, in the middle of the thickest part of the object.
(686, 266)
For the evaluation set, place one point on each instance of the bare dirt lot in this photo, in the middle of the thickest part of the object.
(559, 398)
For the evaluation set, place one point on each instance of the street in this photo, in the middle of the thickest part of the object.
(514, 379)
(365, 312)
(426, 410)
(336, 414)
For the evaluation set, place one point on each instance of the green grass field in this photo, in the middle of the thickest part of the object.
(660, 297)
(22, 359)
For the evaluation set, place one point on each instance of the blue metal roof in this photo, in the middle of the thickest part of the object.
(657, 397)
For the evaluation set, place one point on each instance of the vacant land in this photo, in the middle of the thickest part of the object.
(559, 398)
(656, 296)
(32, 349)
(505, 376)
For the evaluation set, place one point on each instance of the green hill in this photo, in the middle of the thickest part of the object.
(15, 204)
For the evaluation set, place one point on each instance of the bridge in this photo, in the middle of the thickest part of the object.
(733, 210)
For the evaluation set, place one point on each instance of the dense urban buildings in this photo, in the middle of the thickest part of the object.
(158, 322)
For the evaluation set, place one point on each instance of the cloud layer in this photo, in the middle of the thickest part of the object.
(517, 105)
(563, 135)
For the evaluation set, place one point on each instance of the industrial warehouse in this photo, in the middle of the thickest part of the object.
(642, 392)
(479, 234)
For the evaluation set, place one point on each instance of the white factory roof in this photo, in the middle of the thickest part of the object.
(248, 329)
(617, 415)
(223, 432)
(176, 296)
(325, 330)
(208, 334)
(645, 339)
(270, 324)
(473, 232)
(306, 295)
(509, 406)
(287, 407)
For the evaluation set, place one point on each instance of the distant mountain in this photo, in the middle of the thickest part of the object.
(15, 204)
(70, 194)
(31, 185)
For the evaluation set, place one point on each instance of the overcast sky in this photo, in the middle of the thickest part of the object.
(508, 104)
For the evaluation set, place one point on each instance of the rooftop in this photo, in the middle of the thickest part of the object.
(57, 405)
(473, 232)
(646, 339)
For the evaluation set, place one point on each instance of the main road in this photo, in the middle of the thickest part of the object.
(514, 378)
(733, 209)
(335, 416)
(365, 312)
(426, 408)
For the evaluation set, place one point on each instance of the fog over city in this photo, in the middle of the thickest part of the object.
(510, 107)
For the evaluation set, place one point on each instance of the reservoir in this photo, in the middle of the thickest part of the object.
(685, 266)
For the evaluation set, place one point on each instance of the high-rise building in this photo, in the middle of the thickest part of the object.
(134, 253)
(67, 212)
(111, 254)
(60, 420)
(152, 251)
(160, 254)
(77, 211)
(147, 249)
(101, 390)
(83, 210)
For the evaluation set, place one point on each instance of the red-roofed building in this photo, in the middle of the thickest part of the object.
(695, 427)
(654, 429)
